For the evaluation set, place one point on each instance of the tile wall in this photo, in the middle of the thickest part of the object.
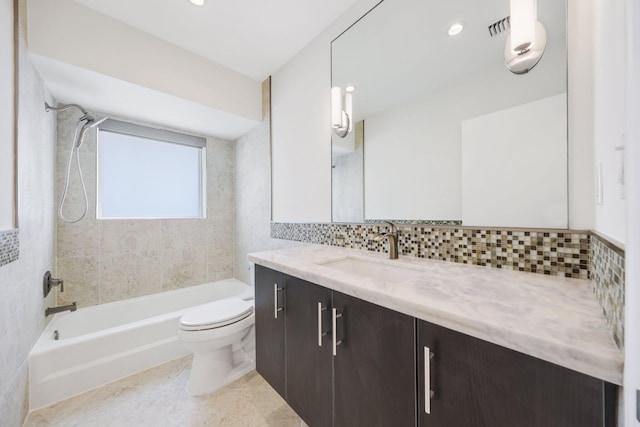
(109, 260)
(9, 246)
(544, 252)
(608, 273)
(22, 304)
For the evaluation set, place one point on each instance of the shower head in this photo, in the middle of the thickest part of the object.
(90, 122)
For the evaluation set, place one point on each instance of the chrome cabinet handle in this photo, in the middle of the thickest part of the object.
(428, 393)
(276, 289)
(334, 321)
(320, 333)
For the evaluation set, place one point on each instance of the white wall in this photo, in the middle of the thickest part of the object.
(22, 304)
(301, 138)
(66, 31)
(6, 113)
(609, 114)
(581, 114)
(514, 170)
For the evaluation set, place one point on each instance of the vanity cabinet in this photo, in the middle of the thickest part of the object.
(371, 379)
(374, 366)
(269, 312)
(384, 368)
(308, 351)
(477, 383)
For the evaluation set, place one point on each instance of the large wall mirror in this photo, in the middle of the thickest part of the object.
(8, 145)
(443, 131)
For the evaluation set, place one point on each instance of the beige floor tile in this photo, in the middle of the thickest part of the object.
(157, 398)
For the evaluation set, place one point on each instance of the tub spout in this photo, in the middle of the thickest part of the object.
(54, 310)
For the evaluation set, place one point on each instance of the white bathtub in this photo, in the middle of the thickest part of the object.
(103, 343)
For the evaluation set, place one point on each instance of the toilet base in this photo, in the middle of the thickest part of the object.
(213, 370)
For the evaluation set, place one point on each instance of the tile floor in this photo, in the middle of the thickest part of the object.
(157, 398)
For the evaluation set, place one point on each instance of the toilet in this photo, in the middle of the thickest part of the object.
(220, 335)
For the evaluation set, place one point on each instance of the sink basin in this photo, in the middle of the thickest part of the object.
(373, 269)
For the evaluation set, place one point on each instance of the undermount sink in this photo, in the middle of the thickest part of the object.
(373, 269)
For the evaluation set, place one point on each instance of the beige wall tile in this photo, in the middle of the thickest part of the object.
(80, 275)
(129, 236)
(184, 267)
(129, 275)
(78, 240)
(183, 233)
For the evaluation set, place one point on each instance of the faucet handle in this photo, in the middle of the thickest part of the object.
(49, 282)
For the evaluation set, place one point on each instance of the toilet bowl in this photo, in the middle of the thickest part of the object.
(220, 335)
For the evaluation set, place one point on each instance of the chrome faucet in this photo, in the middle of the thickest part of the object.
(392, 237)
(54, 310)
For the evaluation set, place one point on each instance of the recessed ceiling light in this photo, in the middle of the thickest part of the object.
(350, 89)
(197, 2)
(455, 29)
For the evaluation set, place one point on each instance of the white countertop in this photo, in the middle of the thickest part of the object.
(552, 318)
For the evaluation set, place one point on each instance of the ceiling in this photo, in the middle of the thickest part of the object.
(252, 37)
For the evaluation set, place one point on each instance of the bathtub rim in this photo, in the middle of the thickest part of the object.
(46, 342)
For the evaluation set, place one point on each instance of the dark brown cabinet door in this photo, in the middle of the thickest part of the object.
(478, 384)
(270, 338)
(309, 370)
(374, 369)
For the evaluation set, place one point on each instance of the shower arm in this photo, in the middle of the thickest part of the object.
(48, 108)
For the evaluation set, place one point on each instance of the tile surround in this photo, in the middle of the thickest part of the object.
(9, 246)
(608, 273)
(109, 260)
(22, 304)
(558, 253)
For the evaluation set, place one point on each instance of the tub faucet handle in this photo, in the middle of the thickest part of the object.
(49, 282)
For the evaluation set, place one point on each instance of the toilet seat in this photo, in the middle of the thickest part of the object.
(216, 314)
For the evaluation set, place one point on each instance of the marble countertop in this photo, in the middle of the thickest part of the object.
(552, 318)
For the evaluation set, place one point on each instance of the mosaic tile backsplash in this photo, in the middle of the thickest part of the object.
(569, 253)
(9, 246)
(552, 253)
(608, 273)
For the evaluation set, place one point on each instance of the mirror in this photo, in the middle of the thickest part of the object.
(445, 132)
(8, 83)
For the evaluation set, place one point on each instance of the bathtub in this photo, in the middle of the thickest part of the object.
(103, 343)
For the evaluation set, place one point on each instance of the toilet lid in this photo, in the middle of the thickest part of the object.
(216, 314)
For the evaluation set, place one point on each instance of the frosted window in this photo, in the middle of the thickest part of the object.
(139, 177)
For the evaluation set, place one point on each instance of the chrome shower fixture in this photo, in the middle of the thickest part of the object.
(85, 122)
(48, 108)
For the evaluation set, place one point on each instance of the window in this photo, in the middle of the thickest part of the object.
(149, 173)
